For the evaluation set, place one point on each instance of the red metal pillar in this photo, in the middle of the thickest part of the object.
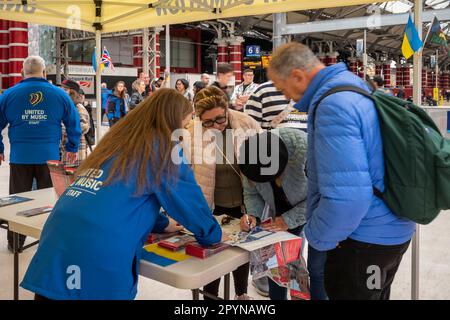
(407, 75)
(4, 54)
(378, 68)
(322, 57)
(430, 83)
(331, 58)
(387, 73)
(446, 80)
(222, 51)
(399, 75)
(18, 50)
(236, 57)
(157, 55)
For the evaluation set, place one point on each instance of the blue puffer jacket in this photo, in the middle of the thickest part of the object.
(345, 159)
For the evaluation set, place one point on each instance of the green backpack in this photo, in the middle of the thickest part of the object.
(416, 156)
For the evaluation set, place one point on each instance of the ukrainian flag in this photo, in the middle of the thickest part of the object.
(94, 61)
(411, 41)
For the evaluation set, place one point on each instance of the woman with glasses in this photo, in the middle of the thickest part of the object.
(182, 86)
(215, 165)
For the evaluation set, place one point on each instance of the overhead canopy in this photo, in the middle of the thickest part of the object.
(111, 16)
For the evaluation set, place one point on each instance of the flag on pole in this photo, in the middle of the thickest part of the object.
(438, 36)
(94, 61)
(106, 59)
(411, 41)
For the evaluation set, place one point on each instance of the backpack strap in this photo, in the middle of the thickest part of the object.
(355, 89)
(341, 89)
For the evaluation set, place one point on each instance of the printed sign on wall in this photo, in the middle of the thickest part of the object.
(86, 83)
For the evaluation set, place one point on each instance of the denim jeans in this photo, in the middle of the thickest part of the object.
(275, 291)
(316, 269)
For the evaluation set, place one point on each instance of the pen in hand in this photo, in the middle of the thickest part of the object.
(248, 223)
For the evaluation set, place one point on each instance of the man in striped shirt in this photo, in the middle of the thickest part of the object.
(270, 108)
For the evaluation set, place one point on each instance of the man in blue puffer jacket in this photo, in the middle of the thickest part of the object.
(363, 239)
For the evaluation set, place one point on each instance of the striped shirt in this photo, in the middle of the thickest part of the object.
(265, 104)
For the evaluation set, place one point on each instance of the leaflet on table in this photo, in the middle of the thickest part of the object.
(274, 255)
(177, 242)
(10, 200)
(35, 211)
(267, 239)
(156, 237)
(283, 263)
(293, 276)
(196, 250)
(241, 237)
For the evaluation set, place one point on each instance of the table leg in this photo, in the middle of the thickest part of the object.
(16, 264)
(226, 289)
(195, 294)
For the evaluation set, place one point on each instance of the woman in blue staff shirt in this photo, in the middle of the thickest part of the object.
(90, 246)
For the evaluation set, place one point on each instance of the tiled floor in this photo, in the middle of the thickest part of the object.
(434, 263)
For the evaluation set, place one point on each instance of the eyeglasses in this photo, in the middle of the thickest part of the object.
(218, 120)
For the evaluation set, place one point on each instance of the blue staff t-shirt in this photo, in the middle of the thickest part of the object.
(91, 244)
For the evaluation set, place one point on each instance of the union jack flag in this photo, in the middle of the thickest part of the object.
(106, 59)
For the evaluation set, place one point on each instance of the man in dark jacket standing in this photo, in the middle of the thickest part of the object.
(363, 239)
(34, 110)
(225, 73)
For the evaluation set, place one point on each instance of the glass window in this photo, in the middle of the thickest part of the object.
(182, 51)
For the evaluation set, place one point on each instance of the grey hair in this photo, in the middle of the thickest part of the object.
(293, 56)
(136, 84)
(33, 65)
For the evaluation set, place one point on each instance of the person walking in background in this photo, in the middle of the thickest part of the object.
(243, 91)
(182, 86)
(198, 85)
(34, 110)
(401, 92)
(284, 191)
(103, 228)
(148, 87)
(72, 88)
(225, 73)
(90, 135)
(220, 180)
(205, 79)
(346, 220)
(105, 93)
(116, 103)
(158, 83)
(378, 85)
(138, 94)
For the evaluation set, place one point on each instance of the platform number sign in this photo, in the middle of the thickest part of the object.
(253, 51)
